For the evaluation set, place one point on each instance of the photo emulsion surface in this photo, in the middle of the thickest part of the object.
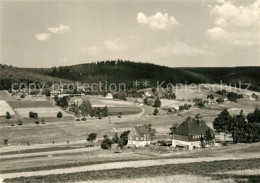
(122, 91)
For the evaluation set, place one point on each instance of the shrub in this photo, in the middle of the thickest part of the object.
(31, 114)
(170, 110)
(48, 93)
(77, 119)
(220, 100)
(210, 96)
(22, 96)
(106, 143)
(221, 92)
(83, 119)
(59, 115)
(5, 141)
(155, 112)
(157, 103)
(8, 116)
(20, 122)
(92, 137)
(232, 96)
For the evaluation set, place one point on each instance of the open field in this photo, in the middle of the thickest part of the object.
(194, 168)
(173, 103)
(21, 108)
(29, 104)
(4, 107)
(4, 95)
(43, 112)
(82, 164)
(114, 106)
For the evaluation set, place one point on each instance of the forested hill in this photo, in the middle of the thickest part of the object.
(10, 75)
(232, 75)
(127, 72)
(123, 72)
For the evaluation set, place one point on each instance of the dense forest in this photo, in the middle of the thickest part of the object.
(127, 72)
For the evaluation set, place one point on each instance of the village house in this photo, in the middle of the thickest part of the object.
(139, 136)
(109, 96)
(189, 133)
(148, 94)
(139, 101)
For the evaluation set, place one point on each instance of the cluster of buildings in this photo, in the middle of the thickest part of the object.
(188, 135)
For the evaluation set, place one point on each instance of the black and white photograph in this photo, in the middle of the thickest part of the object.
(122, 91)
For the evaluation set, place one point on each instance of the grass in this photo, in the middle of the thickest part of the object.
(42, 112)
(91, 162)
(4, 107)
(29, 104)
(48, 149)
(198, 168)
(124, 110)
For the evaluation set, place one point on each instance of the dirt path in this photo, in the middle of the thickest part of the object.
(115, 165)
(48, 153)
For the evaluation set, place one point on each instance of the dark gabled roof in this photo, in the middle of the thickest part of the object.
(191, 127)
(141, 130)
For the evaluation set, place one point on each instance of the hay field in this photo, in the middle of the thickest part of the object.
(114, 106)
(172, 103)
(42, 111)
(29, 104)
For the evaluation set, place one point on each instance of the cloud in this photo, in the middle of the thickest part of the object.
(92, 50)
(115, 45)
(216, 33)
(234, 24)
(59, 30)
(220, 1)
(42, 37)
(158, 21)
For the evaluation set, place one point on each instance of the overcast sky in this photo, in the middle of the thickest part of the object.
(197, 33)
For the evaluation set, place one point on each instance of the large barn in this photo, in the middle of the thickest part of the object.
(189, 134)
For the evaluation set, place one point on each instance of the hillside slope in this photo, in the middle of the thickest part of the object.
(127, 72)
(123, 72)
(10, 75)
(232, 75)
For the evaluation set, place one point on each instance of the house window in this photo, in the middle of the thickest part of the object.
(131, 138)
(136, 138)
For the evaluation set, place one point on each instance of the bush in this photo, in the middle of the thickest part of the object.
(33, 115)
(5, 141)
(220, 100)
(155, 112)
(210, 96)
(170, 110)
(157, 103)
(77, 119)
(22, 96)
(20, 122)
(83, 119)
(8, 116)
(221, 92)
(59, 115)
(232, 96)
(106, 143)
